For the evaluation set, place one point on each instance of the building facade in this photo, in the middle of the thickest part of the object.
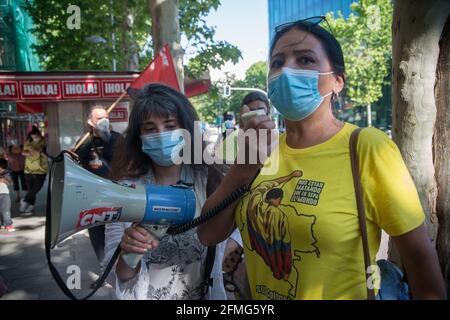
(16, 39)
(282, 11)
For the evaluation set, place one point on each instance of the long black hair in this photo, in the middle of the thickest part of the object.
(153, 100)
(332, 47)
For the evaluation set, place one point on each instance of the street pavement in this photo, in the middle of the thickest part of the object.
(23, 265)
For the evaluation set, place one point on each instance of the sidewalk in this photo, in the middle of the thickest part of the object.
(23, 265)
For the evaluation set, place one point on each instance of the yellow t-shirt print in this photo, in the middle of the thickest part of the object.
(269, 231)
(299, 223)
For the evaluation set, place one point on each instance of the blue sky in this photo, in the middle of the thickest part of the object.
(243, 23)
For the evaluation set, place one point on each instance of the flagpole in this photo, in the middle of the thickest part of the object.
(147, 75)
(108, 111)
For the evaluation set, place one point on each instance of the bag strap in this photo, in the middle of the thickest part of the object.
(213, 180)
(360, 205)
(209, 264)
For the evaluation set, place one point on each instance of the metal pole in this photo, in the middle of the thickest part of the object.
(248, 89)
(113, 36)
(219, 125)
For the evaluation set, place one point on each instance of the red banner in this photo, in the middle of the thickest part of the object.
(114, 88)
(55, 90)
(9, 90)
(61, 86)
(30, 107)
(40, 90)
(118, 115)
(76, 89)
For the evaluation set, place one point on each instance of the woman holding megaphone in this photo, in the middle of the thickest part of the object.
(171, 266)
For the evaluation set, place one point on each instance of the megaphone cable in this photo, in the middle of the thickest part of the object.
(236, 194)
(48, 228)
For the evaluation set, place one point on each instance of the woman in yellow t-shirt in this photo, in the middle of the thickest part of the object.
(36, 166)
(299, 222)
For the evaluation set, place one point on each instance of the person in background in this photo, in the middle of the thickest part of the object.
(5, 201)
(226, 149)
(254, 100)
(96, 155)
(229, 122)
(16, 162)
(36, 166)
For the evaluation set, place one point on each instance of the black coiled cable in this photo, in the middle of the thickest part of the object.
(236, 194)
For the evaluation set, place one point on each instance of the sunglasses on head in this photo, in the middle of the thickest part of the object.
(309, 22)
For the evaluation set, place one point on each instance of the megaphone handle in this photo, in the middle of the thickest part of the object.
(132, 259)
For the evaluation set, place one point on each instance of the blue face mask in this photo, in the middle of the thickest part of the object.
(163, 148)
(295, 92)
(229, 124)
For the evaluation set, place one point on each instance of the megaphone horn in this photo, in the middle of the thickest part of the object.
(81, 199)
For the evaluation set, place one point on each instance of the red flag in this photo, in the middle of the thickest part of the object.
(160, 70)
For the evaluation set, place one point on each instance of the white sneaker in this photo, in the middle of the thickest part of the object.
(23, 205)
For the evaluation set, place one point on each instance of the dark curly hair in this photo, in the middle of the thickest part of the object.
(154, 99)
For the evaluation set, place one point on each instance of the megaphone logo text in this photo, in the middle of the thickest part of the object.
(98, 215)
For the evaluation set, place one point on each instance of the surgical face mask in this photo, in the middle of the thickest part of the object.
(295, 92)
(164, 148)
(229, 124)
(103, 129)
(102, 125)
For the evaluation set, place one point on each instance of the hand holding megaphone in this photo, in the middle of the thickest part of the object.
(136, 241)
(247, 114)
(259, 145)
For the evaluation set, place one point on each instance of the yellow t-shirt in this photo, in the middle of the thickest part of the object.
(299, 223)
(35, 164)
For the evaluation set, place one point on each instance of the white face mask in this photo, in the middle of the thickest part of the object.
(102, 125)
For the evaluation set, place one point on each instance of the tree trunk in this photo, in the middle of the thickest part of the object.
(129, 45)
(417, 28)
(442, 152)
(166, 29)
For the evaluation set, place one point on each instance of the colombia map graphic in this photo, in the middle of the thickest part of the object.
(268, 224)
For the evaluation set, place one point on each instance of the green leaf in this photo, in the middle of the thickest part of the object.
(366, 42)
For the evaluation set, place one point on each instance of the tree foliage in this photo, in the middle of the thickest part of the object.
(206, 51)
(366, 40)
(61, 48)
(213, 103)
